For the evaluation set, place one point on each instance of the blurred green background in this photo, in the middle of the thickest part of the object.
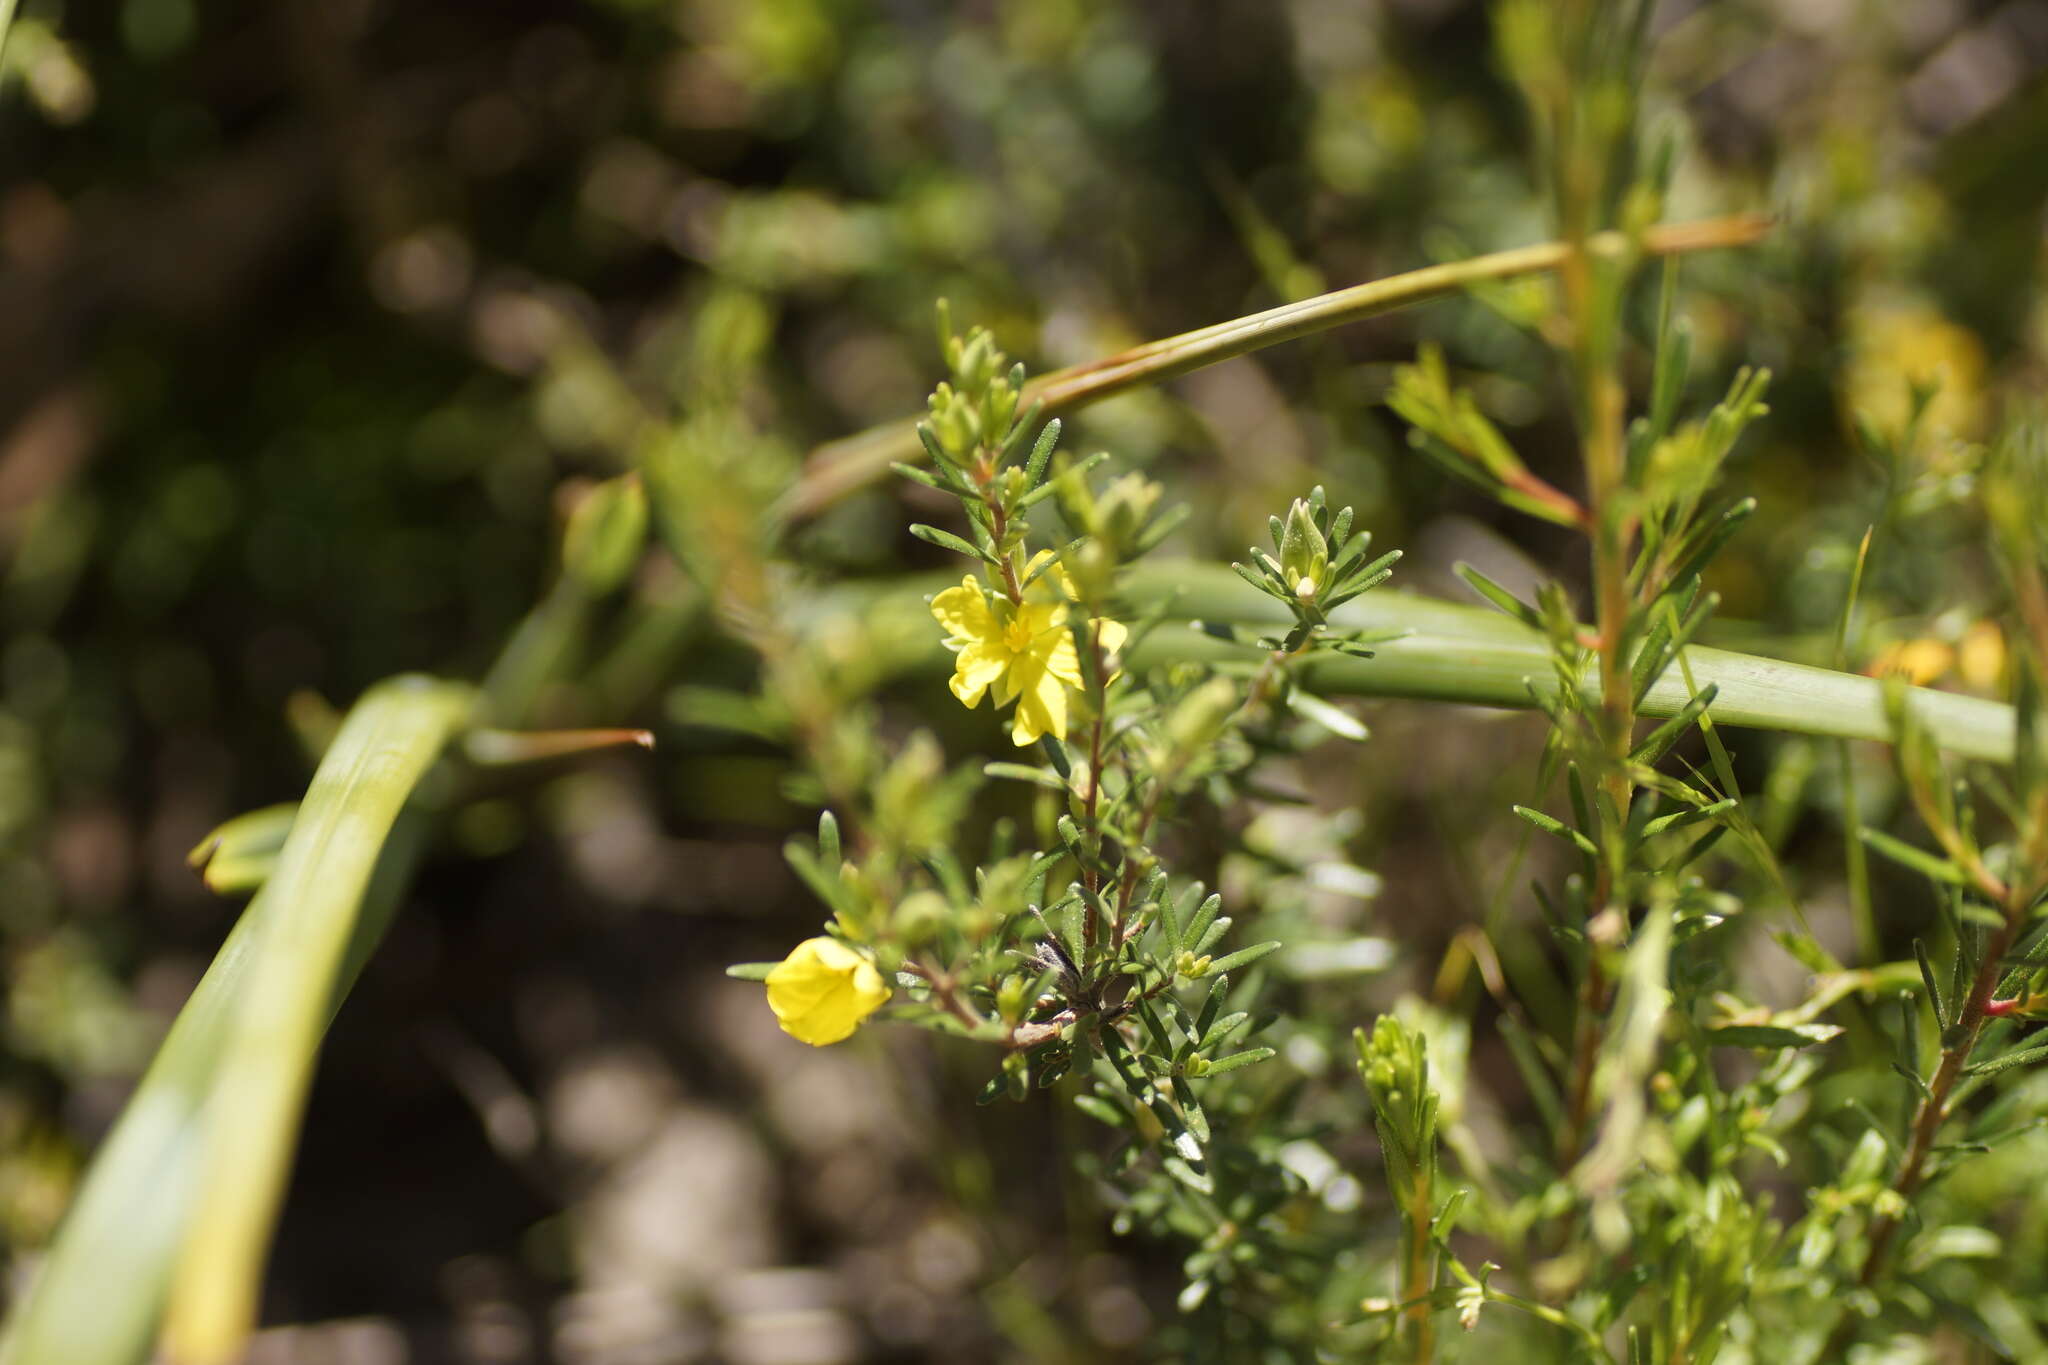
(314, 318)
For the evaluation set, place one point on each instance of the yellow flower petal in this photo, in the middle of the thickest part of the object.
(964, 612)
(1041, 702)
(978, 665)
(1113, 634)
(1061, 659)
(1024, 651)
(1006, 686)
(822, 991)
(1054, 581)
(1064, 663)
(1039, 617)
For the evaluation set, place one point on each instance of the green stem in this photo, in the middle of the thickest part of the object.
(1934, 1110)
(1418, 1277)
(845, 466)
(1862, 911)
(1476, 656)
(1447, 652)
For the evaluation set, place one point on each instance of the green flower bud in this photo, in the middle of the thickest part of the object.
(1126, 505)
(921, 915)
(998, 410)
(977, 362)
(607, 531)
(1393, 1061)
(1076, 498)
(1199, 720)
(1091, 567)
(1011, 485)
(1304, 553)
(953, 423)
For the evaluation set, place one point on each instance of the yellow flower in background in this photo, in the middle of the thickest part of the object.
(1980, 657)
(1977, 659)
(1025, 652)
(1896, 346)
(822, 991)
(1922, 661)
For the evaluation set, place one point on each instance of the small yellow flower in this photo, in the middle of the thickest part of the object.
(1025, 652)
(1922, 661)
(822, 991)
(1896, 345)
(1980, 657)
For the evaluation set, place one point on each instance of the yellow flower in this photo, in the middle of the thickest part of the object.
(1025, 652)
(1980, 658)
(1896, 345)
(1922, 661)
(822, 991)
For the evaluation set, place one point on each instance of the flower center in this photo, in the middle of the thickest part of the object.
(1017, 636)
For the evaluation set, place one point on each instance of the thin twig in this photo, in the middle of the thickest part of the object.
(841, 467)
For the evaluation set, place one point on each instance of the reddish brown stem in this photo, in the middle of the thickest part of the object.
(1933, 1112)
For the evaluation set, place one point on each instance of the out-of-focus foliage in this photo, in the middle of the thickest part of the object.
(322, 323)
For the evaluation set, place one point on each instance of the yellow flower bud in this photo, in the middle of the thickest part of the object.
(822, 991)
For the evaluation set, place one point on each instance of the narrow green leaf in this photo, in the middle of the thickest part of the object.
(1498, 595)
(1659, 741)
(1249, 1057)
(823, 881)
(1023, 772)
(1243, 957)
(1102, 1111)
(1550, 824)
(1772, 1036)
(1162, 526)
(1926, 864)
(1041, 453)
(189, 1178)
(1536, 1077)
(946, 540)
(1023, 424)
(1211, 1007)
(1218, 927)
(1080, 468)
(828, 840)
(241, 854)
(2007, 1062)
(1340, 723)
(1674, 357)
(1680, 819)
(1927, 978)
(923, 476)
